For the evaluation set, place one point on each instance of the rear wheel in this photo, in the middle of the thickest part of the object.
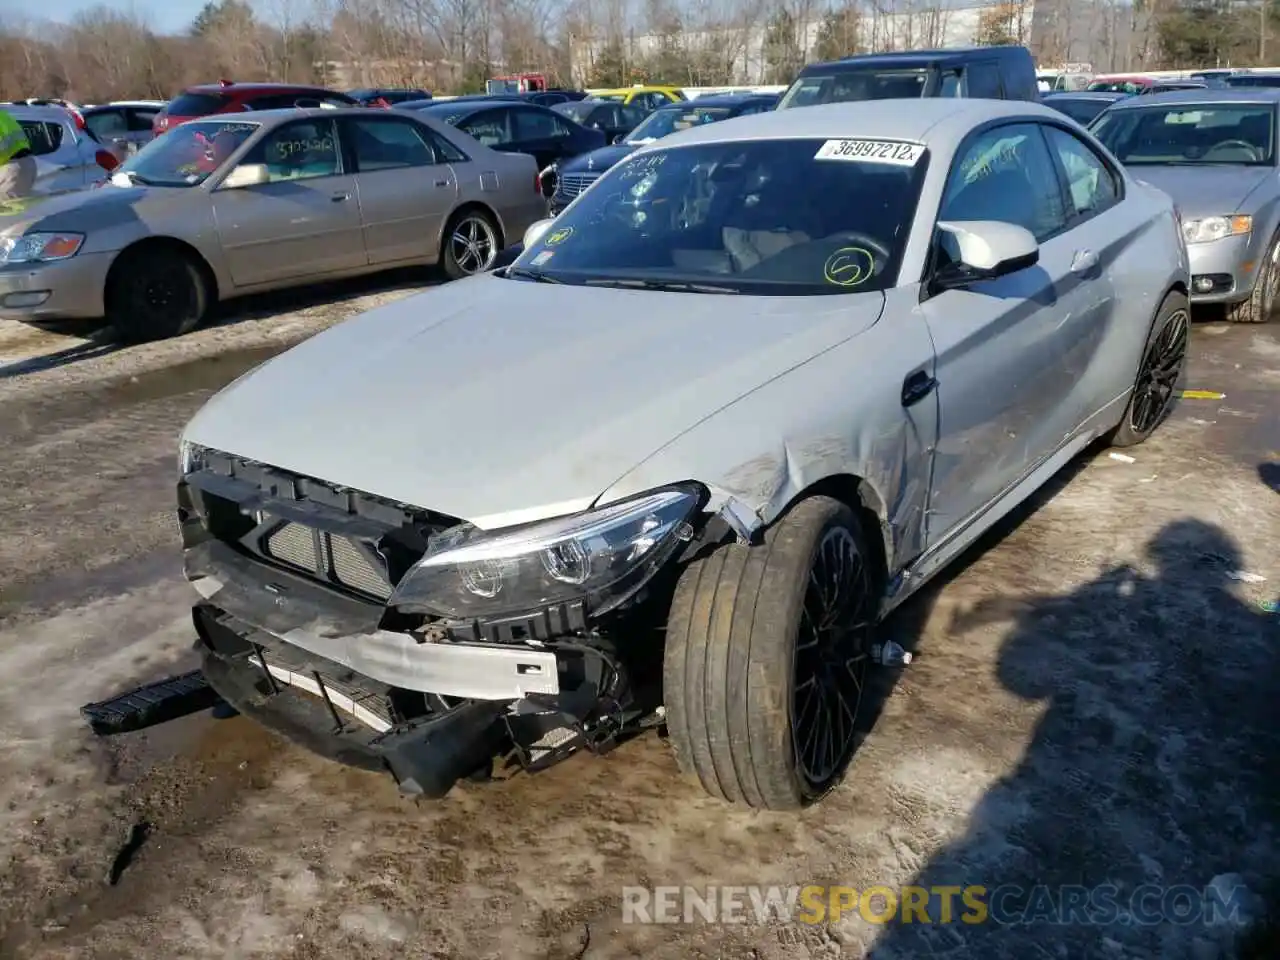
(470, 244)
(155, 293)
(1160, 373)
(766, 656)
(1261, 305)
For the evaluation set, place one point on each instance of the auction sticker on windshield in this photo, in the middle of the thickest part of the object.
(872, 151)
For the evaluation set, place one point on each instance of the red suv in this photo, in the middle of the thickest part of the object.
(228, 97)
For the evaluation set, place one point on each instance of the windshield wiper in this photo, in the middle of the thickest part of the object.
(682, 286)
(537, 276)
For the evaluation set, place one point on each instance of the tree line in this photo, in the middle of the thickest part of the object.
(452, 46)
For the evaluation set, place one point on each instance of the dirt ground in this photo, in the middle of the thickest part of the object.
(1094, 700)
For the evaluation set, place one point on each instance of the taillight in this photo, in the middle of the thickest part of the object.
(106, 160)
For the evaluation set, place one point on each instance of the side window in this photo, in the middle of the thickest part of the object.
(950, 84)
(492, 128)
(630, 115)
(140, 121)
(273, 102)
(43, 137)
(539, 125)
(301, 150)
(444, 149)
(1014, 85)
(982, 80)
(109, 123)
(1093, 186)
(1006, 173)
(386, 144)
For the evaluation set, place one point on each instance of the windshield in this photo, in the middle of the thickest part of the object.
(798, 217)
(1083, 112)
(1190, 133)
(863, 83)
(186, 155)
(662, 122)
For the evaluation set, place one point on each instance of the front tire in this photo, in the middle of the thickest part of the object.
(1160, 373)
(470, 244)
(1261, 305)
(155, 293)
(766, 655)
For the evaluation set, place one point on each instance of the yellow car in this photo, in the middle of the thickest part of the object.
(645, 97)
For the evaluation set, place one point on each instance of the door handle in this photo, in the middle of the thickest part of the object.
(1084, 261)
(340, 197)
(916, 387)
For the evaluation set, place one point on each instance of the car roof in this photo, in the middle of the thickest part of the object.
(1205, 95)
(271, 118)
(252, 87)
(916, 57)
(124, 103)
(26, 111)
(1111, 95)
(720, 100)
(913, 120)
(474, 105)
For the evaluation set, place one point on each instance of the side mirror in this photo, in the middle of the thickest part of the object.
(984, 250)
(536, 231)
(245, 175)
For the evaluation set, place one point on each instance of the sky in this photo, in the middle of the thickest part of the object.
(163, 16)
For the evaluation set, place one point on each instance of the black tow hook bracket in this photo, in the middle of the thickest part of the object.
(152, 704)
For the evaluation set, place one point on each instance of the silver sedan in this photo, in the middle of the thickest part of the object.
(1214, 153)
(229, 205)
(752, 389)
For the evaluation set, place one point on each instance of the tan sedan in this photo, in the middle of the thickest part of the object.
(223, 206)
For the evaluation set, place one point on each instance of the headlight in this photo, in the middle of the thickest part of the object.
(40, 247)
(1215, 228)
(190, 458)
(602, 556)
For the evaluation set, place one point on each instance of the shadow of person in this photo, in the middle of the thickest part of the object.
(1152, 770)
(1269, 473)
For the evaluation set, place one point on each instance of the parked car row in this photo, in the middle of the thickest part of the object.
(1194, 146)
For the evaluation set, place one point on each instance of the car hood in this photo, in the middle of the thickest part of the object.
(1205, 191)
(75, 209)
(598, 161)
(501, 401)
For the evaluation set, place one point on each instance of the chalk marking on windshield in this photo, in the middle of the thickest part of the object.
(849, 267)
(896, 152)
(556, 237)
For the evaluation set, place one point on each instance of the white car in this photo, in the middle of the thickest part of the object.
(68, 157)
(751, 390)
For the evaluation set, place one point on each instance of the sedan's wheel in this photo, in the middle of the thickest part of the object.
(1160, 373)
(766, 656)
(155, 293)
(1261, 305)
(471, 245)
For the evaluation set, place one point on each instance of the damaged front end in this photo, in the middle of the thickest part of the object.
(391, 637)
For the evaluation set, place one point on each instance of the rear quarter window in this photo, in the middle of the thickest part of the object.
(44, 137)
(196, 104)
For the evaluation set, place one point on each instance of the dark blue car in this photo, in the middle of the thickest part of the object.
(574, 176)
(513, 125)
(1082, 106)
